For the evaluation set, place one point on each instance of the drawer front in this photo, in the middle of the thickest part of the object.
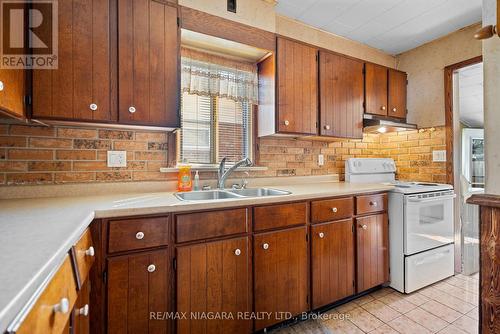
(43, 317)
(275, 216)
(213, 224)
(371, 203)
(332, 209)
(130, 234)
(84, 253)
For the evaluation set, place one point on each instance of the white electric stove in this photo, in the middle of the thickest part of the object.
(420, 224)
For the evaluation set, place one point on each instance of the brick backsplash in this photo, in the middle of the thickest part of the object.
(54, 155)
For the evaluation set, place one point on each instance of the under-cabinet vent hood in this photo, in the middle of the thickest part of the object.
(379, 124)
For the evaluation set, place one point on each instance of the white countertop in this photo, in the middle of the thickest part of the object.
(36, 234)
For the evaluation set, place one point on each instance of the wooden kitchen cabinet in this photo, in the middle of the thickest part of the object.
(397, 93)
(372, 234)
(280, 274)
(376, 80)
(332, 262)
(297, 81)
(81, 88)
(13, 92)
(214, 277)
(137, 285)
(80, 323)
(148, 59)
(341, 96)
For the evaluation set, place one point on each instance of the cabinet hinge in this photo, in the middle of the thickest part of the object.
(105, 277)
(364, 105)
(174, 264)
(27, 100)
(353, 284)
(317, 57)
(178, 21)
(363, 70)
(307, 237)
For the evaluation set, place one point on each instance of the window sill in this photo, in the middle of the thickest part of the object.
(213, 168)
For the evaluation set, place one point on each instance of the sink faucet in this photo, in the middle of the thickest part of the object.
(223, 174)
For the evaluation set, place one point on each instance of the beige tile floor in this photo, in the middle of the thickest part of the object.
(447, 307)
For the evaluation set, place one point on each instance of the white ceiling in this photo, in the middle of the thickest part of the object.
(470, 95)
(393, 26)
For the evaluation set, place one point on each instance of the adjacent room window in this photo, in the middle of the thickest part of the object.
(216, 108)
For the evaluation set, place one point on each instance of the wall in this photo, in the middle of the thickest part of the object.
(491, 60)
(425, 67)
(55, 155)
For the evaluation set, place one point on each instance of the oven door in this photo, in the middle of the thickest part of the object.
(428, 221)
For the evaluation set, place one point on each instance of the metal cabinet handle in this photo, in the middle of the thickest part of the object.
(237, 252)
(139, 235)
(373, 203)
(131, 110)
(151, 268)
(364, 227)
(90, 252)
(383, 108)
(327, 127)
(265, 246)
(62, 307)
(2, 86)
(93, 107)
(321, 235)
(84, 311)
(334, 210)
(286, 122)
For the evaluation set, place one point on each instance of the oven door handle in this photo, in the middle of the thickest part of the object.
(432, 199)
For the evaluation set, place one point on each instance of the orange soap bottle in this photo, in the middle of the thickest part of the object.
(184, 179)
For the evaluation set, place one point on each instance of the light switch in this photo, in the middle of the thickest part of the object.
(439, 156)
(321, 160)
(117, 158)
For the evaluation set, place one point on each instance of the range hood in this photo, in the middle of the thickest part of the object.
(380, 124)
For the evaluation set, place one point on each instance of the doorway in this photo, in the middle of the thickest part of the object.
(465, 162)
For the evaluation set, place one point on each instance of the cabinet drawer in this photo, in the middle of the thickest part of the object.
(371, 203)
(43, 318)
(213, 224)
(332, 209)
(84, 256)
(275, 216)
(130, 234)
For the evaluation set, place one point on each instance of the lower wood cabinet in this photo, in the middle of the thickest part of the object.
(214, 278)
(137, 285)
(280, 274)
(372, 234)
(80, 318)
(332, 262)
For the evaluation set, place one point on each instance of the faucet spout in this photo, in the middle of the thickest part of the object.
(224, 174)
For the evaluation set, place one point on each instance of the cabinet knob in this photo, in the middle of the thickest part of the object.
(334, 210)
(62, 307)
(90, 252)
(237, 252)
(327, 127)
(93, 107)
(286, 122)
(383, 108)
(139, 235)
(364, 227)
(321, 235)
(84, 311)
(373, 203)
(1, 86)
(265, 246)
(394, 109)
(131, 110)
(151, 268)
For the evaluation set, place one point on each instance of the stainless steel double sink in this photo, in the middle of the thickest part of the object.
(213, 195)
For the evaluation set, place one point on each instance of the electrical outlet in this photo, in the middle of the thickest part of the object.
(321, 160)
(117, 158)
(439, 156)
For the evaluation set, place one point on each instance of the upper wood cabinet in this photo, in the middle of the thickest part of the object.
(13, 92)
(372, 233)
(81, 88)
(297, 82)
(341, 96)
(397, 93)
(148, 60)
(375, 89)
(332, 262)
(214, 277)
(280, 274)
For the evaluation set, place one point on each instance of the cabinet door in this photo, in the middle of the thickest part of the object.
(80, 88)
(375, 89)
(12, 92)
(341, 96)
(214, 278)
(80, 318)
(148, 63)
(397, 93)
(372, 251)
(297, 88)
(332, 261)
(137, 285)
(280, 274)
